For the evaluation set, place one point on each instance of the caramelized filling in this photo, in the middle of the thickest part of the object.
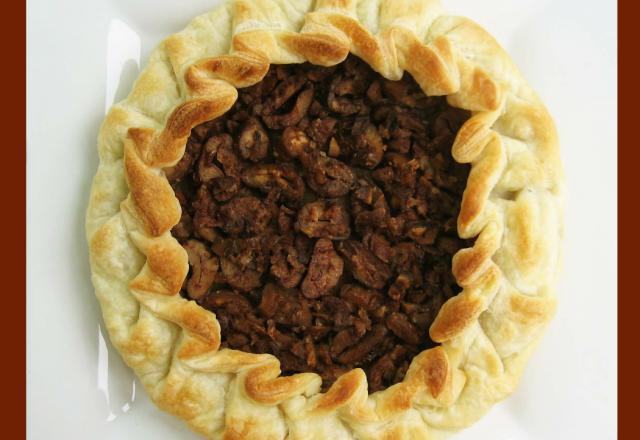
(319, 216)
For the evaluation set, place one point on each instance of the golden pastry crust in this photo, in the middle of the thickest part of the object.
(512, 203)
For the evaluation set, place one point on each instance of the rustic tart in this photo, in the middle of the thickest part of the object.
(336, 219)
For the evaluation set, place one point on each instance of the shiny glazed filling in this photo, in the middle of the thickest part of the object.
(319, 216)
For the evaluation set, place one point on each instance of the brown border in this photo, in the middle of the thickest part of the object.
(12, 324)
(628, 159)
(14, 402)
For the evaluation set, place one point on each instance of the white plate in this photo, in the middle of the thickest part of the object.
(84, 54)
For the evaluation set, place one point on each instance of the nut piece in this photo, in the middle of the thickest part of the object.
(338, 99)
(236, 304)
(204, 223)
(369, 206)
(286, 264)
(283, 92)
(380, 246)
(343, 340)
(358, 353)
(280, 177)
(226, 156)
(399, 288)
(327, 176)
(334, 148)
(422, 232)
(179, 170)
(365, 267)
(369, 146)
(295, 142)
(299, 110)
(324, 218)
(243, 262)
(283, 306)
(320, 130)
(385, 368)
(204, 269)
(324, 272)
(224, 188)
(244, 216)
(399, 324)
(207, 168)
(360, 297)
(254, 141)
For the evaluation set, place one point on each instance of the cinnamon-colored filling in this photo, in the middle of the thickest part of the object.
(319, 216)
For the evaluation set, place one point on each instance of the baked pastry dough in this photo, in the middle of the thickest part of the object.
(512, 204)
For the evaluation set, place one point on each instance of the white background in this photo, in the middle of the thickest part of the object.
(83, 54)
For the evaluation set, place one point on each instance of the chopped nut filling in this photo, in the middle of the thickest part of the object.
(319, 217)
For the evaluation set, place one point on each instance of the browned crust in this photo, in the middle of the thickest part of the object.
(244, 71)
(153, 196)
(323, 50)
(470, 264)
(167, 266)
(363, 43)
(462, 310)
(455, 316)
(425, 63)
(340, 393)
(432, 370)
(480, 183)
(190, 316)
(264, 385)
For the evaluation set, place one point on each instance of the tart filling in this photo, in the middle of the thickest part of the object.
(319, 217)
